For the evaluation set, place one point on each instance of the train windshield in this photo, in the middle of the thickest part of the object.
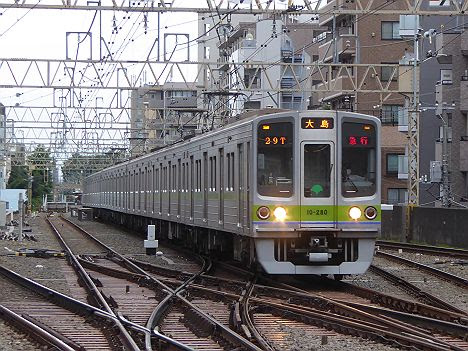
(358, 167)
(317, 170)
(275, 159)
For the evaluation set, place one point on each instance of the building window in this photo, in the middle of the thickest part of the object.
(252, 78)
(392, 164)
(207, 29)
(390, 30)
(390, 114)
(207, 53)
(388, 72)
(397, 196)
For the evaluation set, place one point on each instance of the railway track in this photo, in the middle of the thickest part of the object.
(429, 285)
(229, 292)
(427, 249)
(55, 319)
(452, 278)
(177, 321)
(284, 311)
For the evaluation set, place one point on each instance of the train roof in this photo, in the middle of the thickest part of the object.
(237, 120)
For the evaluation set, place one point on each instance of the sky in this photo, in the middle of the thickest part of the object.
(55, 34)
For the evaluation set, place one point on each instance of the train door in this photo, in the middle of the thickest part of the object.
(318, 196)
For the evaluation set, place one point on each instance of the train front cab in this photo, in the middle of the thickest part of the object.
(326, 178)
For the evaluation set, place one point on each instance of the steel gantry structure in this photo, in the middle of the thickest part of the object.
(306, 7)
(74, 121)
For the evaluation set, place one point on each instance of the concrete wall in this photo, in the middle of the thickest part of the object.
(429, 225)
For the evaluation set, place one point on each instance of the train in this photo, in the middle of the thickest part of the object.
(288, 192)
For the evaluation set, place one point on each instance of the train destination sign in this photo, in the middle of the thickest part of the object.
(275, 134)
(357, 135)
(316, 123)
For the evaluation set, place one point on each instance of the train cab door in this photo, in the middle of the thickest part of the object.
(318, 195)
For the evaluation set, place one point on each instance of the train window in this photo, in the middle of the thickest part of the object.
(275, 159)
(317, 170)
(358, 159)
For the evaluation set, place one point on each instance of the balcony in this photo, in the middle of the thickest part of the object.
(325, 20)
(402, 167)
(288, 54)
(464, 94)
(337, 87)
(403, 120)
(464, 154)
(181, 102)
(345, 46)
(444, 55)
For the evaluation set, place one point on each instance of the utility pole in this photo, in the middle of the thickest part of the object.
(30, 181)
(446, 186)
(413, 128)
(20, 217)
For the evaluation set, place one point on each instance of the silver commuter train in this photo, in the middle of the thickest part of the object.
(297, 192)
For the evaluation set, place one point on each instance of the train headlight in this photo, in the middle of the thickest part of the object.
(370, 212)
(263, 212)
(280, 213)
(355, 213)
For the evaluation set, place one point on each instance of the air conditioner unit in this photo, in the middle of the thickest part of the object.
(435, 171)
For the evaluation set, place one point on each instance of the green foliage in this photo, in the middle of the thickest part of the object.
(41, 178)
(18, 178)
(78, 166)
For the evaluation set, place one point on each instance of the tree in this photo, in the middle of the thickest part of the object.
(80, 166)
(18, 178)
(41, 164)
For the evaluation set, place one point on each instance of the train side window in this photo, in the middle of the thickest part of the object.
(275, 159)
(192, 187)
(228, 170)
(231, 186)
(145, 189)
(214, 174)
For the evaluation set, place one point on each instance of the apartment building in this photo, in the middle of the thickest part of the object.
(160, 117)
(371, 39)
(451, 95)
(250, 39)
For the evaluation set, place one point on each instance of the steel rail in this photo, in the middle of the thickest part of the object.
(39, 333)
(452, 278)
(372, 330)
(147, 331)
(451, 328)
(415, 291)
(428, 249)
(392, 303)
(124, 336)
(227, 333)
(164, 305)
(410, 321)
(70, 303)
(370, 327)
(244, 306)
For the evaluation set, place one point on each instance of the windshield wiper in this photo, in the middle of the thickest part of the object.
(356, 189)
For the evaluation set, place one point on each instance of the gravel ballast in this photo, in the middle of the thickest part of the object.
(50, 272)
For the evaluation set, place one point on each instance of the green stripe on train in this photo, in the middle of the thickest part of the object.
(323, 213)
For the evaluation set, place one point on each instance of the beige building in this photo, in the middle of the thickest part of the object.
(257, 39)
(160, 117)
